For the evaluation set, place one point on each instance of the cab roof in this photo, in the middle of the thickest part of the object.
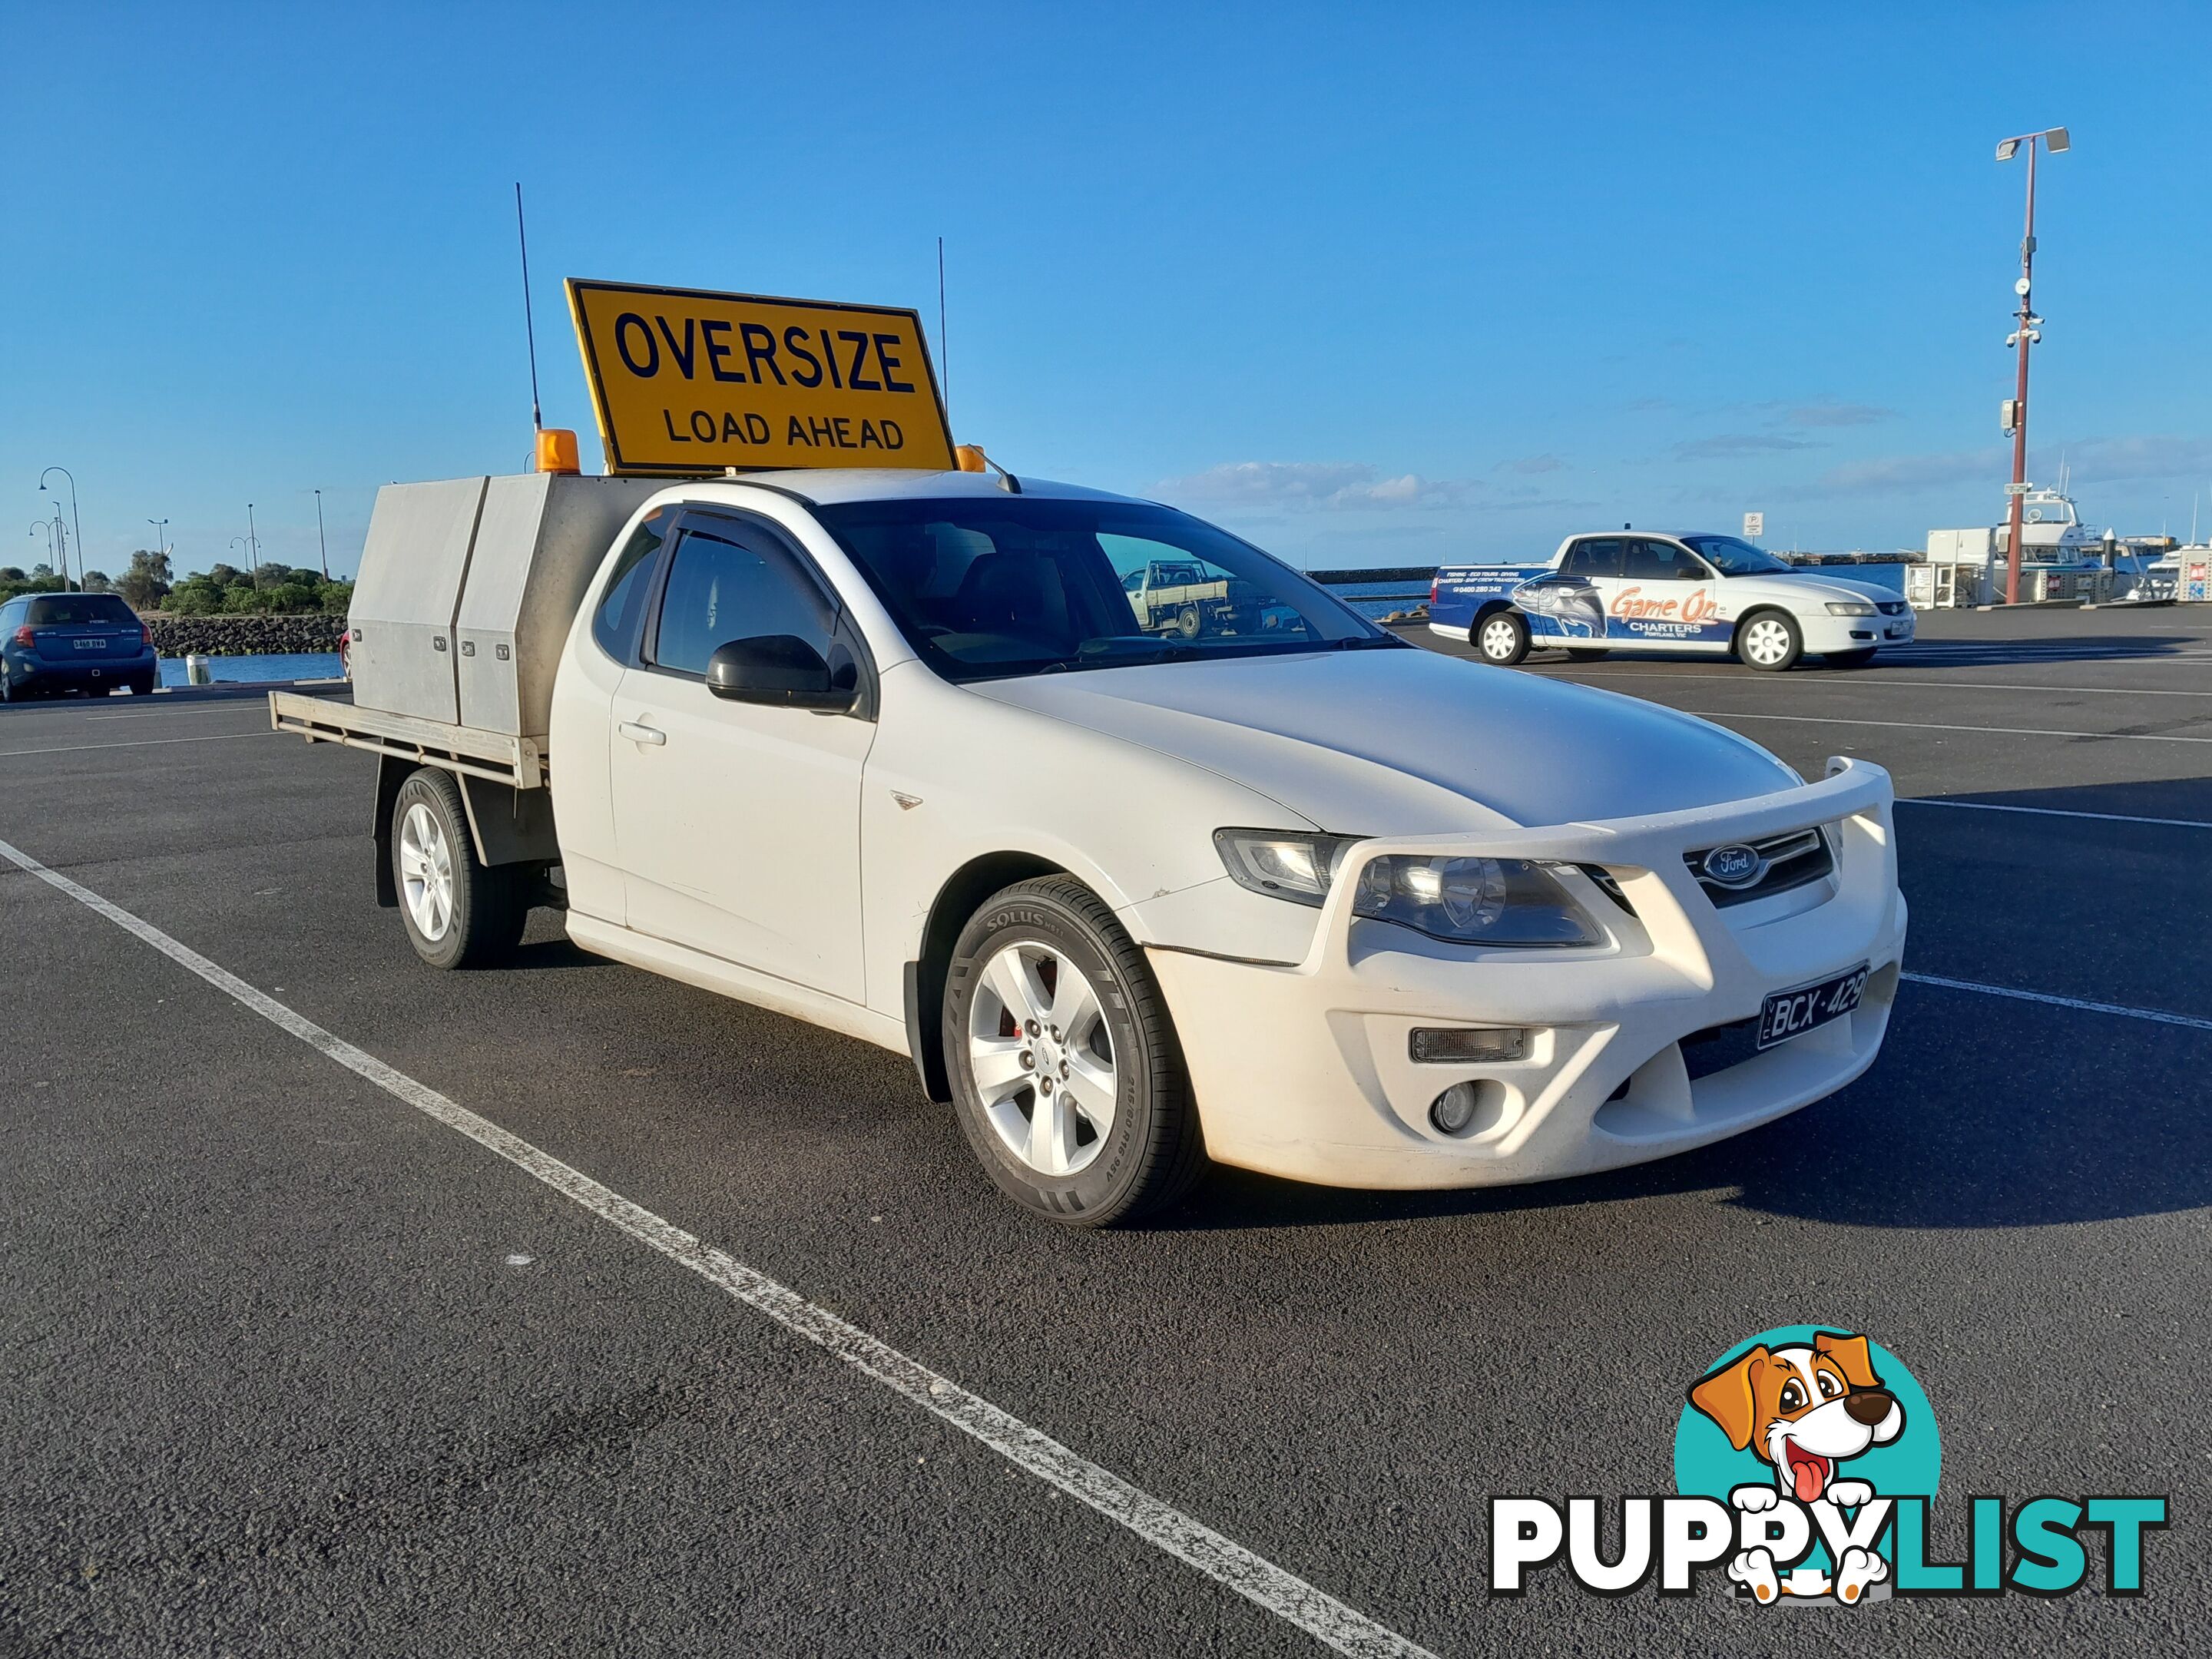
(826, 485)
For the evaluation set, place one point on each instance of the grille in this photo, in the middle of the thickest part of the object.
(1892, 607)
(1717, 1047)
(1793, 861)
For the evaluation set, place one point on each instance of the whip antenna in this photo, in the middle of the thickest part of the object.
(529, 324)
(944, 354)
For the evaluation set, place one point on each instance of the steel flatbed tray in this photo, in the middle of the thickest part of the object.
(493, 756)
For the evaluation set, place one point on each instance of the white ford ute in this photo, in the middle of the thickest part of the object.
(891, 752)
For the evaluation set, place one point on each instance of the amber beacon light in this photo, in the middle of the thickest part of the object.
(556, 450)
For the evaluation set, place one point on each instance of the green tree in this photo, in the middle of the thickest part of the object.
(196, 596)
(12, 573)
(225, 575)
(302, 577)
(289, 598)
(146, 583)
(98, 581)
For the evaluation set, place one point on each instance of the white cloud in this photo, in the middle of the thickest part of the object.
(1334, 485)
(1826, 411)
(1905, 473)
(2113, 459)
(2089, 461)
(1727, 444)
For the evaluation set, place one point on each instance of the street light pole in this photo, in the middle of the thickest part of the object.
(252, 544)
(2026, 332)
(160, 535)
(74, 519)
(322, 540)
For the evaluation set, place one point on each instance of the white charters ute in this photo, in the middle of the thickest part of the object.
(1236, 876)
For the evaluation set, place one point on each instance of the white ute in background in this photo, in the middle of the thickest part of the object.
(892, 751)
(1697, 592)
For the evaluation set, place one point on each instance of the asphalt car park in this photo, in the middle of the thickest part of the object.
(296, 1367)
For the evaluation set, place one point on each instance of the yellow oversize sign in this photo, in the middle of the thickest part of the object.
(686, 382)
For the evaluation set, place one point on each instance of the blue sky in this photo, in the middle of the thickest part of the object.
(1370, 285)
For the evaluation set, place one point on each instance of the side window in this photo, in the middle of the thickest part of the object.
(721, 588)
(1660, 561)
(615, 626)
(1600, 557)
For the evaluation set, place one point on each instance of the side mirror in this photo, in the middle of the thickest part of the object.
(779, 670)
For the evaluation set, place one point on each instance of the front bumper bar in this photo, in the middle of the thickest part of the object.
(1304, 1071)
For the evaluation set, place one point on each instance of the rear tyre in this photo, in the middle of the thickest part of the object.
(142, 686)
(1850, 659)
(460, 913)
(1769, 641)
(1066, 1072)
(1501, 638)
(1587, 656)
(1188, 623)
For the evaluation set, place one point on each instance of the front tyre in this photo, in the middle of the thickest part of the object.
(1769, 641)
(1501, 638)
(460, 913)
(1065, 1069)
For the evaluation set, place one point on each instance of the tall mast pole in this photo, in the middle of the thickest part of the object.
(2019, 391)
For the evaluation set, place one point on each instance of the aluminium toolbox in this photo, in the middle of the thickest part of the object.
(468, 587)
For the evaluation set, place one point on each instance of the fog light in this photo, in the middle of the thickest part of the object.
(1453, 1109)
(1438, 1045)
(1474, 1107)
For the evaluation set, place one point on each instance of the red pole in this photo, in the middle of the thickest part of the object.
(2019, 392)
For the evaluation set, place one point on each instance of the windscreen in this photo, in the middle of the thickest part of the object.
(1732, 557)
(61, 609)
(989, 589)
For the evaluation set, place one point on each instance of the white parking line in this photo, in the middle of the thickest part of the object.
(1319, 1614)
(134, 743)
(1824, 682)
(2156, 1015)
(1929, 725)
(2053, 813)
(224, 706)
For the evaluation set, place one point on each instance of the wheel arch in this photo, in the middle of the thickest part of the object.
(1761, 609)
(961, 895)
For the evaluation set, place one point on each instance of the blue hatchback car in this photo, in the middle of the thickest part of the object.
(53, 643)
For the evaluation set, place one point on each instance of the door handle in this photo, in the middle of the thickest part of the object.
(637, 733)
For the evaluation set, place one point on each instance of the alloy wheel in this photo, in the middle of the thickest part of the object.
(426, 871)
(1042, 1060)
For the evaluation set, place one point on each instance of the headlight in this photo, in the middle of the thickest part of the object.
(1474, 901)
(1852, 608)
(1281, 863)
(1465, 901)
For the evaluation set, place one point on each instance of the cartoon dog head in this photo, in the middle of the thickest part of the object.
(1805, 1407)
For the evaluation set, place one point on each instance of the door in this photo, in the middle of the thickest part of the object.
(1570, 604)
(1666, 598)
(738, 825)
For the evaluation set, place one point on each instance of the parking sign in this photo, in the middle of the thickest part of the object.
(1754, 525)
